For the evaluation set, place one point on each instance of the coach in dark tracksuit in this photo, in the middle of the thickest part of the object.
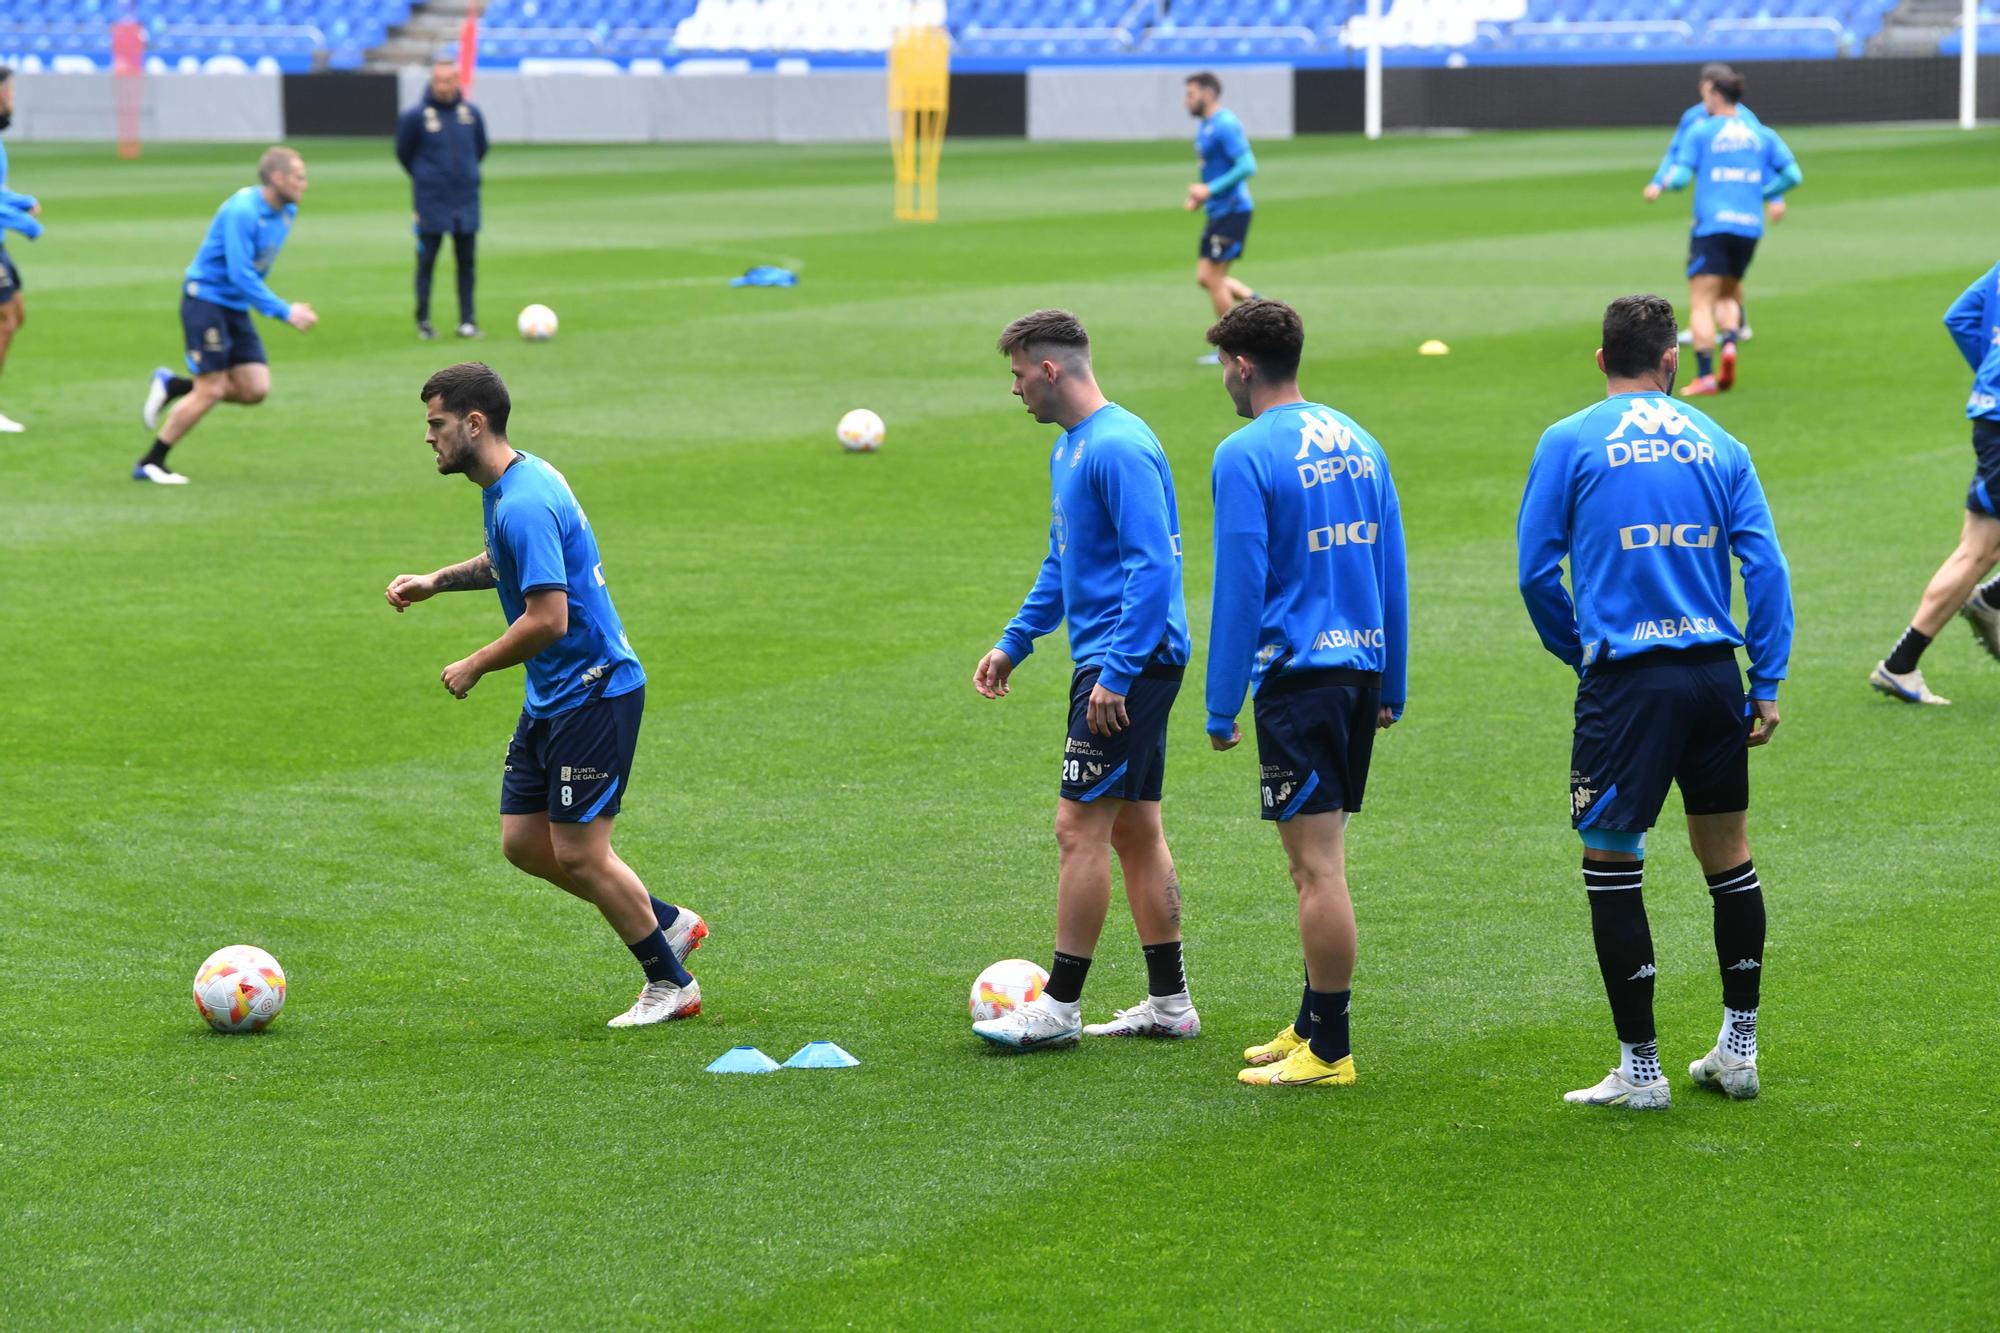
(440, 143)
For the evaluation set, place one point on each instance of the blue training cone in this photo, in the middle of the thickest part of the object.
(820, 1055)
(743, 1060)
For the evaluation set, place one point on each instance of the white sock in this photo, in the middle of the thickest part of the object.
(1639, 1062)
(1739, 1033)
(1173, 1006)
(1069, 1013)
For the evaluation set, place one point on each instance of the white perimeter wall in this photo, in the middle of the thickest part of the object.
(216, 108)
(1145, 102)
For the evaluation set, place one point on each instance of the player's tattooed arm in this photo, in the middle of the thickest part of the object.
(466, 576)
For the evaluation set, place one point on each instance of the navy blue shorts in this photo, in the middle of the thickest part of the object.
(1315, 738)
(1985, 492)
(1668, 716)
(10, 278)
(1223, 239)
(1722, 255)
(217, 337)
(1129, 765)
(576, 765)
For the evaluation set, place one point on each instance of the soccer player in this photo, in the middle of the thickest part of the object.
(225, 354)
(1974, 321)
(1226, 164)
(569, 764)
(1647, 498)
(441, 144)
(1311, 614)
(1689, 119)
(1739, 169)
(1113, 572)
(18, 212)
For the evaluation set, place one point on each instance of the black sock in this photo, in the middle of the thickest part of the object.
(1728, 336)
(665, 913)
(1903, 657)
(157, 455)
(1329, 1024)
(1624, 943)
(1066, 975)
(1302, 1026)
(1164, 973)
(658, 960)
(1989, 593)
(1739, 933)
(1704, 363)
(179, 386)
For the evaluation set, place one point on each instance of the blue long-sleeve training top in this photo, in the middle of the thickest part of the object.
(1735, 165)
(1309, 569)
(1114, 565)
(14, 206)
(1691, 117)
(1647, 498)
(1974, 321)
(242, 243)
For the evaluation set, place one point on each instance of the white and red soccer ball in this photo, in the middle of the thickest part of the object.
(1005, 987)
(239, 989)
(860, 431)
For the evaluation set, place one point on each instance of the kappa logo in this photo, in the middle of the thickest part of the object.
(1322, 431)
(1644, 972)
(1735, 137)
(1744, 965)
(1655, 416)
(1076, 454)
(1581, 797)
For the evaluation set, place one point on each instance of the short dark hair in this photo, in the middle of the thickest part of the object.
(5, 73)
(1716, 69)
(471, 386)
(1045, 328)
(1729, 87)
(1269, 332)
(1638, 332)
(1206, 80)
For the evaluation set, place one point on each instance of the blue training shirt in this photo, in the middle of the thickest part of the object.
(1647, 498)
(1308, 558)
(1113, 570)
(235, 257)
(1734, 162)
(1220, 142)
(1690, 118)
(1974, 321)
(537, 537)
(14, 208)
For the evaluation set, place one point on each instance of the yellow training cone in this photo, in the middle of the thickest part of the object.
(1432, 347)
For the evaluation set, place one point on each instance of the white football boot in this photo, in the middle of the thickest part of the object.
(1616, 1090)
(1909, 686)
(158, 475)
(1985, 624)
(686, 934)
(1726, 1073)
(1144, 1019)
(9, 426)
(660, 1002)
(1031, 1027)
(156, 398)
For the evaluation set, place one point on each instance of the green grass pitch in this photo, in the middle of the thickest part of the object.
(216, 732)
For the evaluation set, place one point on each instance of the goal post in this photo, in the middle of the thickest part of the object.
(919, 97)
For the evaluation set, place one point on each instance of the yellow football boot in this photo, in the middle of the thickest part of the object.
(1276, 1049)
(1301, 1069)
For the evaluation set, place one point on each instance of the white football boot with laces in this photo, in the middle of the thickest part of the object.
(1031, 1027)
(686, 934)
(1617, 1090)
(1145, 1019)
(660, 1002)
(1726, 1073)
(1908, 686)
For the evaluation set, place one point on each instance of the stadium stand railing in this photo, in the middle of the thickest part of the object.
(294, 35)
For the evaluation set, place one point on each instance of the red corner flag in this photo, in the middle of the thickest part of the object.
(468, 47)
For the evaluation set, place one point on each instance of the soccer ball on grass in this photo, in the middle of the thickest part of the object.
(1005, 987)
(537, 323)
(860, 431)
(239, 989)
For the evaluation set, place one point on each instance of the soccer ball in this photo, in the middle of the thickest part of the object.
(860, 431)
(537, 323)
(1005, 987)
(239, 989)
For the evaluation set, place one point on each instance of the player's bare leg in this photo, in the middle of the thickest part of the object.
(583, 854)
(1704, 290)
(12, 316)
(246, 384)
(1978, 551)
(1721, 843)
(528, 844)
(1316, 849)
(1728, 325)
(1224, 292)
(1153, 891)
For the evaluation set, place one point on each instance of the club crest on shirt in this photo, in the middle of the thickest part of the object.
(431, 122)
